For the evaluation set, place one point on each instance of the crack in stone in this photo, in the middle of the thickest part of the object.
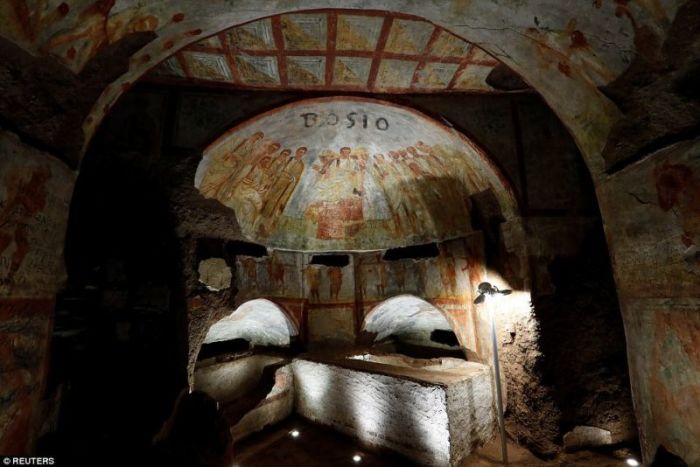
(640, 200)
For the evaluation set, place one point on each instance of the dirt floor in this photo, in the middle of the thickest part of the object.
(490, 454)
(318, 446)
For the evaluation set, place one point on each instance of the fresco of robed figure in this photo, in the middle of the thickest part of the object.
(296, 184)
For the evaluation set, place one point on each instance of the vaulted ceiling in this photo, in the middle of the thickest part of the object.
(334, 50)
(564, 50)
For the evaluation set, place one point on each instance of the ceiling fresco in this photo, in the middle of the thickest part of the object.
(347, 174)
(334, 49)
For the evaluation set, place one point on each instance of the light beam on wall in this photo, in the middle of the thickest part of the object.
(407, 317)
(261, 322)
(487, 290)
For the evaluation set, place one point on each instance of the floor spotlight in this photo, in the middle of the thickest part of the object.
(294, 433)
(632, 462)
(356, 458)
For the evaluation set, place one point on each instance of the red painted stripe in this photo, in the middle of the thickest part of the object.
(332, 23)
(423, 58)
(183, 64)
(381, 43)
(460, 69)
(276, 23)
(223, 37)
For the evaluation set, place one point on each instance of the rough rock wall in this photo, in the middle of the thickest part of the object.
(132, 259)
(583, 313)
(35, 192)
(278, 405)
(46, 103)
(229, 380)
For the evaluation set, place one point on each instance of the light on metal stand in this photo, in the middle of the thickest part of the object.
(486, 289)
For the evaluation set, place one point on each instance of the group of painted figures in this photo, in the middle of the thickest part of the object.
(278, 275)
(257, 178)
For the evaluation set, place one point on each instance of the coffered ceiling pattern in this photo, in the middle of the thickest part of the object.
(334, 49)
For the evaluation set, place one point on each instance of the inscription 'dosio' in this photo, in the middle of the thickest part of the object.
(351, 120)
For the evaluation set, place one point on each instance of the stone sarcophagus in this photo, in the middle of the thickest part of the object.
(434, 414)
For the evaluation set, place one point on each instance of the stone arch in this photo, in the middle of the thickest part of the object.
(260, 321)
(410, 317)
(243, 381)
(549, 59)
(517, 48)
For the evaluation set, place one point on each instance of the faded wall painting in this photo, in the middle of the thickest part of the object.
(346, 174)
(656, 236)
(277, 275)
(35, 192)
(25, 328)
(655, 248)
(331, 302)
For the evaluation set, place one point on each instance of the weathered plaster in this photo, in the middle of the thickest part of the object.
(25, 329)
(35, 192)
(334, 301)
(405, 316)
(215, 274)
(654, 245)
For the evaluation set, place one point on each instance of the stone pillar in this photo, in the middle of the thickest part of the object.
(35, 193)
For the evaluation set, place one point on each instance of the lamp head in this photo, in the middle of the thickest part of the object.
(486, 288)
